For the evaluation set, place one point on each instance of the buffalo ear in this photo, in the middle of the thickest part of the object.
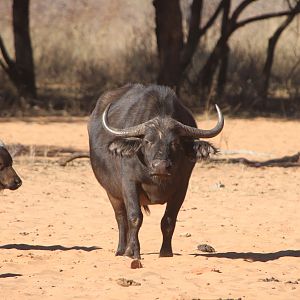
(204, 150)
(125, 147)
(200, 150)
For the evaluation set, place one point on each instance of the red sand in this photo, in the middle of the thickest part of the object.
(252, 222)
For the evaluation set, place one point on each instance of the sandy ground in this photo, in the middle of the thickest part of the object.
(58, 233)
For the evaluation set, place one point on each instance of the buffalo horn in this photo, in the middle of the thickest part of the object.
(2, 144)
(137, 130)
(203, 133)
(187, 131)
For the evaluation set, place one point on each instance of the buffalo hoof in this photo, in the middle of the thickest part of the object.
(120, 252)
(165, 254)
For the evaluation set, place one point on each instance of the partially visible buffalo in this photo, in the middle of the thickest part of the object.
(143, 147)
(8, 176)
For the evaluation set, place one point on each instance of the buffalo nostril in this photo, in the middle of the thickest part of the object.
(158, 164)
(168, 164)
(161, 166)
(18, 182)
(155, 163)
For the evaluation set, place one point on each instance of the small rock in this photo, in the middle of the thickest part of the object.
(200, 271)
(216, 270)
(206, 248)
(218, 185)
(24, 233)
(186, 234)
(221, 185)
(292, 282)
(271, 279)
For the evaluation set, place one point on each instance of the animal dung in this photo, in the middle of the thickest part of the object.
(127, 282)
(185, 234)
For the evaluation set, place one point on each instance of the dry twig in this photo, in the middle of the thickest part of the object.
(285, 162)
(68, 154)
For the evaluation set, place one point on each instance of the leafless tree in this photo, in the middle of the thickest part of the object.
(272, 46)
(169, 40)
(175, 54)
(20, 70)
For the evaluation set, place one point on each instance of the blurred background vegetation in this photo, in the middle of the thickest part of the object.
(241, 54)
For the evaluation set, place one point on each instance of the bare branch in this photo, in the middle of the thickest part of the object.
(212, 19)
(240, 9)
(193, 35)
(285, 162)
(195, 32)
(64, 161)
(289, 4)
(272, 44)
(2, 64)
(195, 20)
(5, 55)
(292, 71)
(42, 150)
(262, 17)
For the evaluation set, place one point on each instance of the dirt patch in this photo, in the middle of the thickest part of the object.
(58, 233)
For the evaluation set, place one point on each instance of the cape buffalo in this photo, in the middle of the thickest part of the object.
(8, 176)
(143, 146)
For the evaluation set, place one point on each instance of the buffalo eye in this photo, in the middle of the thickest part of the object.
(147, 142)
(174, 144)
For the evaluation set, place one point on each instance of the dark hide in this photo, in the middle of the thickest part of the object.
(8, 176)
(153, 168)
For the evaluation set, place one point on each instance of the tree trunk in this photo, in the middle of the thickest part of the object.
(196, 31)
(169, 40)
(175, 56)
(193, 34)
(222, 77)
(209, 70)
(224, 58)
(218, 54)
(271, 50)
(23, 50)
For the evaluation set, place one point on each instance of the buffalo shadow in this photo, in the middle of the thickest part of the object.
(9, 275)
(254, 256)
(157, 253)
(48, 248)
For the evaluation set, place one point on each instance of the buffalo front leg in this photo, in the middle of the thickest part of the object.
(121, 217)
(135, 219)
(167, 226)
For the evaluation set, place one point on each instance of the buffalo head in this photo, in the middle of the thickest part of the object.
(162, 142)
(8, 176)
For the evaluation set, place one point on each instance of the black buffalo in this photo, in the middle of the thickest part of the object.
(143, 147)
(8, 176)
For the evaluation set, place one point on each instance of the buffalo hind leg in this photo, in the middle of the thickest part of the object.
(121, 217)
(167, 226)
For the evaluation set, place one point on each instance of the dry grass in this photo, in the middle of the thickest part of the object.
(82, 48)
